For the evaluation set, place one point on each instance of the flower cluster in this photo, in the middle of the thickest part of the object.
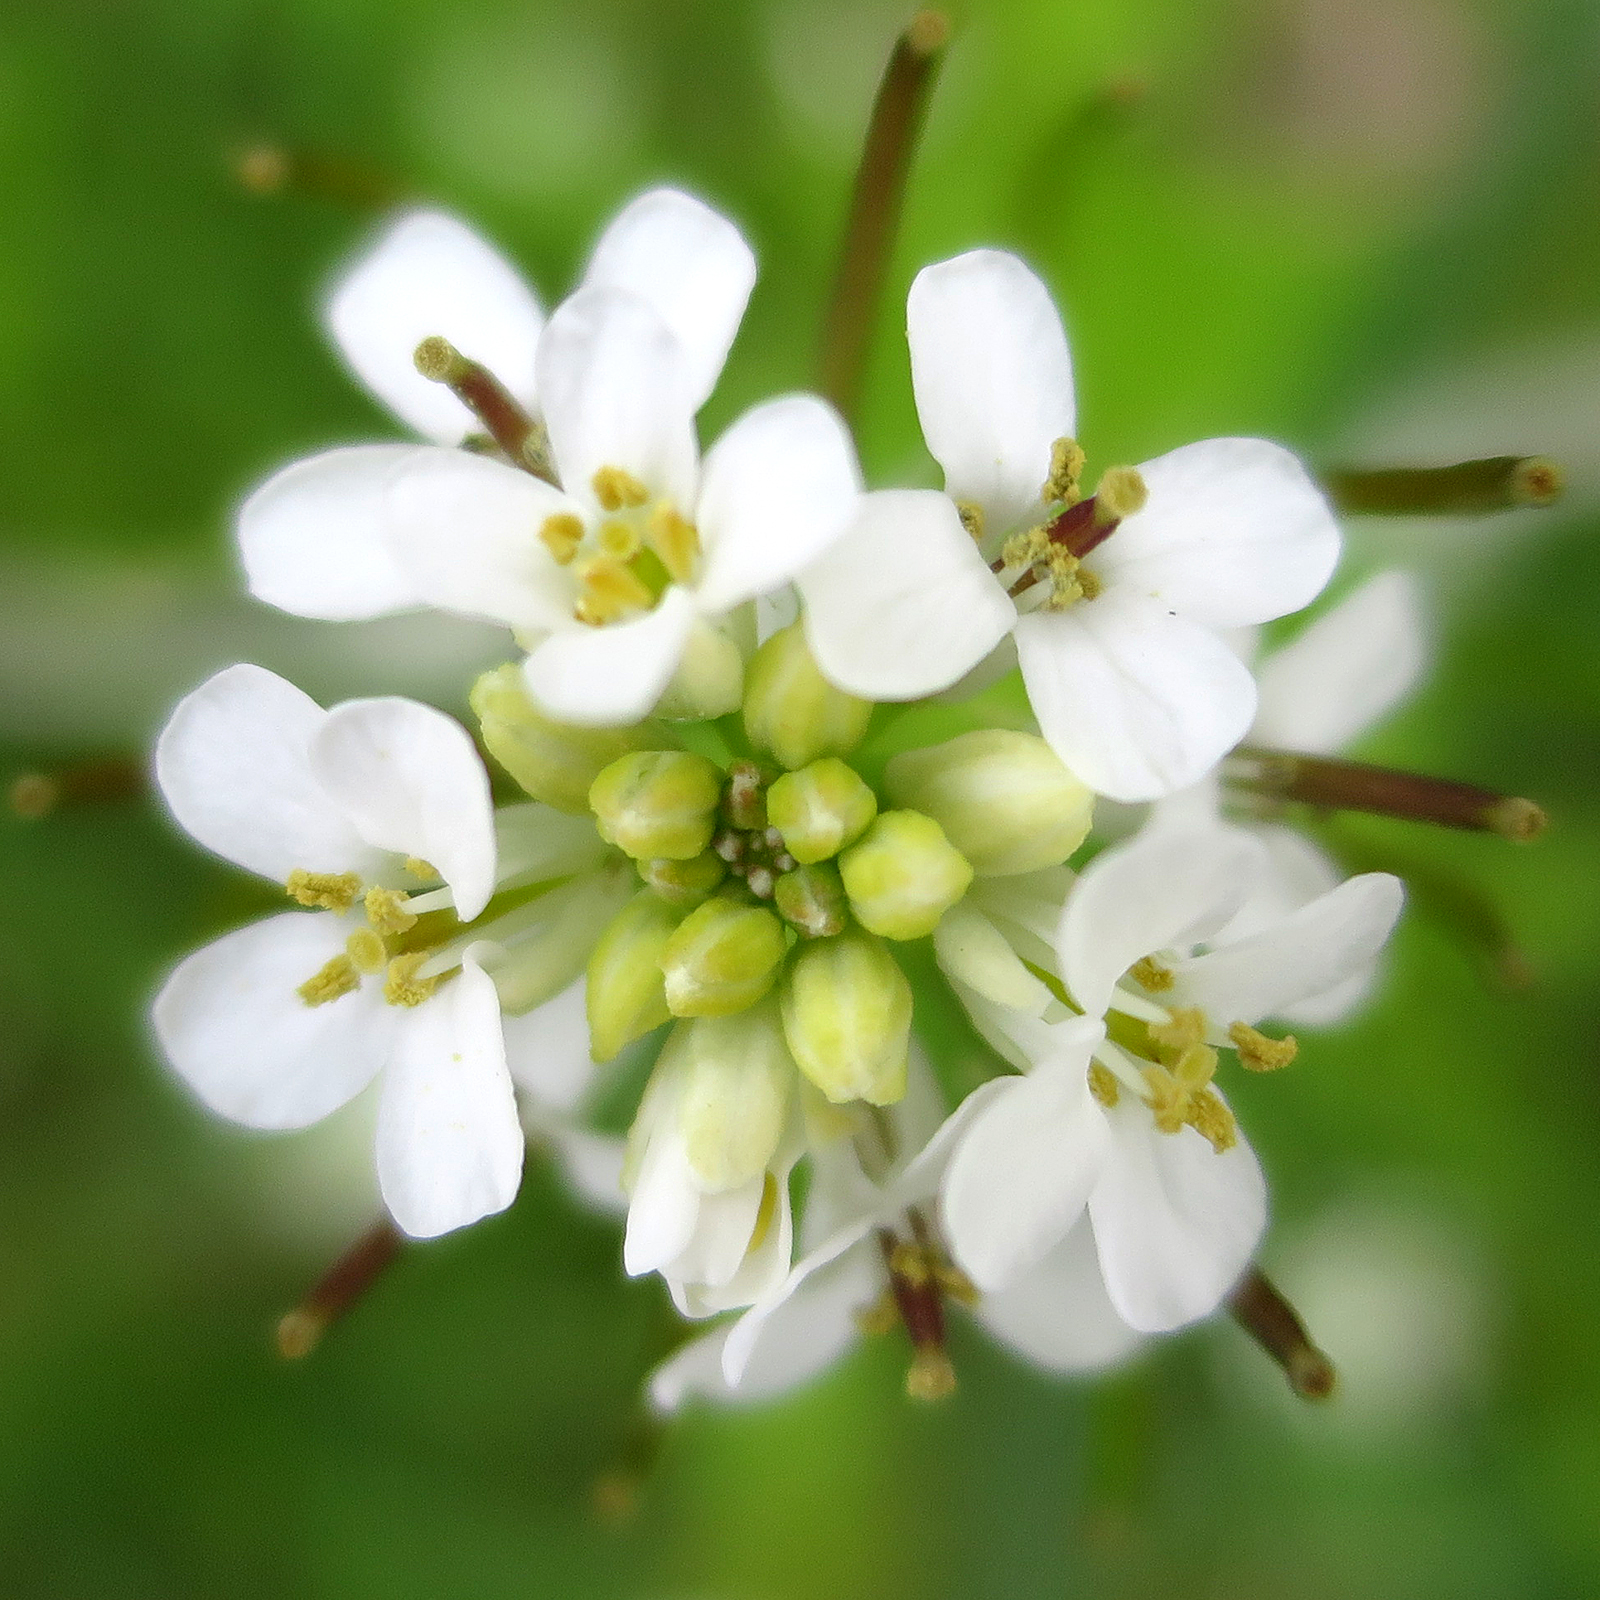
(807, 847)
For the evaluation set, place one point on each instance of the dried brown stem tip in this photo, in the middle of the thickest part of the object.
(1469, 488)
(33, 795)
(1272, 1322)
(1385, 792)
(483, 394)
(875, 205)
(337, 1290)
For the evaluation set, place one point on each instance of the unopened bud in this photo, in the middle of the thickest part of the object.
(738, 1077)
(1004, 799)
(657, 803)
(903, 875)
(709, 681)
(723, 957)
(812, 900)
(554, 761)
(625, 995)
(820, 809)
(792, 710)
(685, 884)
(847, 1017)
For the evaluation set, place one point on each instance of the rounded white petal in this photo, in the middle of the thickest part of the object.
(599, 677)
(547, 1050)
(778, 488)
(592, 1165)
(1136, 701)
(234, 765)
(615, 388)
(312, 537)
(1175, 1224)
(691, 264)
(1319, 947)
(1161, 890)
(902, 604)
(993, 378)
(974, 952)
(1059, 1315)
(449, 1143)
(1234, 532)
(410, 780)
(665, 1204)
(431, 274)
(464, 531)
(1346, 670)
(236, 1031)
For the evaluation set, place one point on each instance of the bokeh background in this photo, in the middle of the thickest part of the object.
(1369, 228)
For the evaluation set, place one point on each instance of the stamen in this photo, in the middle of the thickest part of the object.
(764, 1214)
(1260, 1052)
(676, 541)
(1149, 974)
(337, 1290)
(1212, 1120)
(367, 951)
(880, 1317)
(425, 870)
(561, 535)
(1066, 470)
(1089, 523)
(403, 987)
(1185, 1027)
(483, 394)
(330, 981)
(1273, 1323)
(1103, 1085)
(386, 911)
(914, 1283)
(616, 488)
(619, 540)
(326, 891)
(971, 519)
(608, 590)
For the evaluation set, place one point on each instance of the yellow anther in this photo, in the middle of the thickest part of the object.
(1212, 1120)
(1066, 586)
(616, 488)
(1168, 1102)
(1103, 1085)
(403, 987)
(1023, 549)
(1259, 1051)
(618, 539)
(906, 1261)
(1195, 1067)
(765, 1213)
(1066, 470)
(971, 519)
(425, 870)
(676, 541)
(561, 535)
(328, 891)
(1120, 493)
(931, 1377)
(1149, 974)
(955, 1284)
(882, 1316)
(333, 979)
(367, 951)
(386, 911)
(1089, 586)
(608, 590)
(1185, 1027)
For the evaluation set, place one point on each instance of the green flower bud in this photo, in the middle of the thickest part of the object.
(709, 681)
(658, 803)
(812, 900)
(1004, 799)
(820, 809)
(792, 710)
(685, 883)
(738, 1078)
(904, 875)
(723, 957)
(847, 1017)
(554, 761)
(626, 997)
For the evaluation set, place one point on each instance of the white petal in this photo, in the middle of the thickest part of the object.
(1344, 672)
(1161, 890)
(902, 604)
(692, 265)
(974, 952)
(722, 1232)
(239, 1035)
(1322, 945)
(1136, 701)
(616, 393)
(778, 488)
(1175, 1224)
(410, 779)
(993, 378)
(592, 1165)
(611, 675)
(431, 274)
(464, 530)
(1059, 1315)
(234, 764)
(449, 1143)
(1234, 532)
(547, 1050)
(312, 537)
(1020, 1175)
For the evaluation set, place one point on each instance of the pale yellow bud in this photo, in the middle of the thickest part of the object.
(685, 883)
(904, 875)
(738, 1077)
(847, 1018)
(709, 681)
(812, 900)
(723, 957)
(554, 761)
(1004, 799)
(820, 809)
(792, 710)
(625, 994)
(657, 803)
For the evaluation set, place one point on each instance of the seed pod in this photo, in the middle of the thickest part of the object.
(657, 803)
(903, 875)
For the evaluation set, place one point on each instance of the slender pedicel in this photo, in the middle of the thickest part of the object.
(1468, 488)
(522, 438)
(1273, 1323)
(338, 1290)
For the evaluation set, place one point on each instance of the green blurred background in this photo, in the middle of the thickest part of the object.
(1370, 228)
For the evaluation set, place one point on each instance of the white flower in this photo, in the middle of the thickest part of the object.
(1119, 649)
(614, 579)
(1128, 1130)
(356, 810)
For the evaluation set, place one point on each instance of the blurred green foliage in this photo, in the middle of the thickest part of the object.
(1277, 216)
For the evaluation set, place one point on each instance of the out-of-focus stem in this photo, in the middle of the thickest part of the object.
(1273, 1323)
(1468, 488)
(337, 1290)
(84, 783)
(269, 169)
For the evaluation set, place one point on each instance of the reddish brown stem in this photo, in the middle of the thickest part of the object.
(84, 783)
(483, 394)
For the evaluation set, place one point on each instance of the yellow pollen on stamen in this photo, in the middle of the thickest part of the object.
(327, 891)
(608, 590)
(561, 535)
(1023, 549)
(367, 951)
(331, 980)
(403, 987)
(616, 488)
(1168, 1102)
(1089, 586)
(882, 1316)
(971, 519)
(1212, 1120)
(1066, 585)
(386, 911)
(418, 868)
(675, 540)
(1184, 1027)
(1149, 974)
(1195, 1067)
(1260, 1052)
(954, 1283)
(1066, 471)
(1103, 1085)
(618, 539)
